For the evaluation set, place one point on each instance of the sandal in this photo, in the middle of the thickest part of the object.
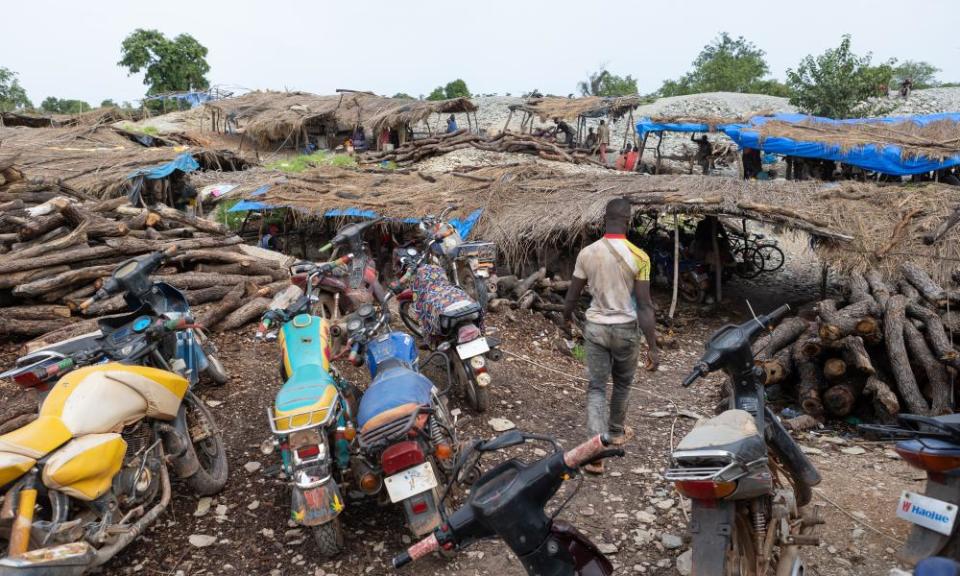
(595, 468)
(623, 438)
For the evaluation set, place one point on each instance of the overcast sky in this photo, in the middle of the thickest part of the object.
(70, 49)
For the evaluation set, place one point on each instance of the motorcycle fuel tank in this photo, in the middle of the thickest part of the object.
(395, 345)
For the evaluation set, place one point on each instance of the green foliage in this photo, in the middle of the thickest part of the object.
(832, 83)
(64, 106)
(579, 353)
(108, 103)
(603, 83)
(923, 74)
(12, 94)
(726, 64)
(403, 95)
(456, 89)
(306, 161)
(139, 129)
(437, 94)
(169, 65)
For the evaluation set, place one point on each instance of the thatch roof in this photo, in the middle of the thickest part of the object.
(856, 225)
(95, 117)
(93, 160)
(279, 116)
(572, 108)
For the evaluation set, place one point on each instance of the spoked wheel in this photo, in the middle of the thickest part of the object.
(474, 286)
(749, 263)
(691, 290)
(207, 445)
(410, 319)
(772, 257)
(329, 537)
(742, 557)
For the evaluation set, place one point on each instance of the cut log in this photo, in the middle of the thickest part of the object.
(928, 288)
(941, 391)
(61, 333)
(785, 334)
(810, 380)
(40, 226)
(779, 367)
(841, 398)
(96, 226)
(111, 305)
(834, 369)
(878, 287)
(893, 326)
(498, 305)
(249, 312)
(195, 280)
(34, 312)
(523, 286)
(907, 289)
(12, 279)
(61, 281)
(21, 327)
(885, 403)
(202, 224)
(527, 300)
(858, 318)
(855, 355)
(933, 329)
(204, 295)
(801, 423)
(231, 301)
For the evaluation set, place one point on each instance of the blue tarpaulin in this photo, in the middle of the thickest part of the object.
(184, 162)
(882, 158)
(646, 126)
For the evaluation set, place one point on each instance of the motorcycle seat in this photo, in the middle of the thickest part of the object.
(733, 431)
(13, 466)
(396, 393)
(309, 389)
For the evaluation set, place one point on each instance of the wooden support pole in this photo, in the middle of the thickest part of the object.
(716, 260)
(676, 264)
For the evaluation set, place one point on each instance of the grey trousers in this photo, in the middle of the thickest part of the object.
(611, 350)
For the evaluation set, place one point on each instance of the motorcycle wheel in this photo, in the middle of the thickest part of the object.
(207, 445)
(409, 320)
(329, 537)
(742, 556)
(215, 370)
(691, 291)
(474, 286)
(477, 397)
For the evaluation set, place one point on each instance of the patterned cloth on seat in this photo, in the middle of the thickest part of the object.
(433, 293)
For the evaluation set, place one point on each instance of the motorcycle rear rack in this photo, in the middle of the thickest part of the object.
(391, 430)
(735, 468)
(313, 422)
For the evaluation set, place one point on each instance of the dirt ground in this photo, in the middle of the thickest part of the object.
(631, 509)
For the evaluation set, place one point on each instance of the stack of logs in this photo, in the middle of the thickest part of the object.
(57, 247)
(417, 150)
(888, 345)
(535, 292)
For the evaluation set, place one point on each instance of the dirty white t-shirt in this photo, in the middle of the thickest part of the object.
(612, 290)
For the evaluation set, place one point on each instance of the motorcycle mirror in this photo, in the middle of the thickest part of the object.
(505, 440)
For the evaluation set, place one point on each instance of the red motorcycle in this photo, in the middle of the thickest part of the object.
(344, 289)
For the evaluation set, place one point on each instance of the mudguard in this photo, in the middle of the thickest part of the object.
(923, 542)
(315, 506)
(711, 525)
(175, 438)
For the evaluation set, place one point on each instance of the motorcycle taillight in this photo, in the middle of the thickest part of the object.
(705, 489)
(924, 456)
(401, 456)
(467, 333)
(28, 379)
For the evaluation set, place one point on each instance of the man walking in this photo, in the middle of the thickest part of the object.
(619, 277)
(603, 139)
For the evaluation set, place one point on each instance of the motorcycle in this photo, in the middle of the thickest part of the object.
(312, 415)
(694, 276)
(508, 502)
(448, 320)
(192, 348)
(931, 444)
(471, 265)
(343, 290)
(92, 472)
(747, 479)
(408, 436)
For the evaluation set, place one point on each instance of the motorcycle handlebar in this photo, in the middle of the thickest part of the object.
(586, 452)
(777, 314)
(697, 372)
(425, 547)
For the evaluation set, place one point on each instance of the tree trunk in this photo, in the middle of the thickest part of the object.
(249, 312)
(195, 280)
(856, 356)
(21, 327)
(857, 287)
(893, 326)
(35, 312)
(204, 295)
(779, 367)
(841, 398)
(229, 303)
(878, 287)
(810, 379)
(62, 280)
(785, 334)
(61, 333)
(15, 278)
(858, 318)
(885, 403)
(834, 369)
(111, 305)
(936, 335)
(937, 378)
(521, 288)
(201, 224)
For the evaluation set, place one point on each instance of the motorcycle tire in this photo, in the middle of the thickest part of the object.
(409, 320)
(209, 451)
(478, 398)
(329, 538)
(691, 291)
(476, 288)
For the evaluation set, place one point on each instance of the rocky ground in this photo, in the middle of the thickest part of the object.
(927, 101)
(631, 512)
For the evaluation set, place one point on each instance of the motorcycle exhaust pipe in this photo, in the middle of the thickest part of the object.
(106, 553)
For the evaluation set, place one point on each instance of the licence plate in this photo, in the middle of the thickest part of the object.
(931, 513)
(411, 482)
(473, 348)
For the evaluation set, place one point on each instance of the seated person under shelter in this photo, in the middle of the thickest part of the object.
(591, 141)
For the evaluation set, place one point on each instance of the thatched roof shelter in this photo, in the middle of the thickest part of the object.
(95, 117)
(855, 225)
(94, 160)
(570, 109)
(282, 116)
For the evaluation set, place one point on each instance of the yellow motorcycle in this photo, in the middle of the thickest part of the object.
(92, 472)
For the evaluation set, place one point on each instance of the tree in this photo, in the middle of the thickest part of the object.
(603, 83)
(726, 64)
(176, 65)
(109, 103)
(832, 83)
(64, 106)
(923, 74)
(456, 89)
(12, 94)
(403, 95)
(437, 94)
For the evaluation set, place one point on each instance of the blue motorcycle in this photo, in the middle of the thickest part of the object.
(407, 438)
